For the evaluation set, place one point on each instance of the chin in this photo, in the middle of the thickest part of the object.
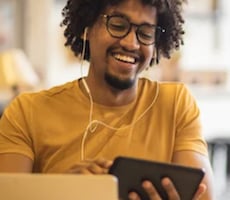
(118, 83)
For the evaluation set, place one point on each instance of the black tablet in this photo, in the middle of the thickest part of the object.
(131, 172)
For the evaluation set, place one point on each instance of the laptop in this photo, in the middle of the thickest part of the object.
(15, 186)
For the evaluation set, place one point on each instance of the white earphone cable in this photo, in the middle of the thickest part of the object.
(83, 50)
(90, 127)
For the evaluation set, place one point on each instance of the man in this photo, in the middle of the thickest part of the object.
(81, 126)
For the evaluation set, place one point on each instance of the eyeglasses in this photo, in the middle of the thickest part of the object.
(119, 27)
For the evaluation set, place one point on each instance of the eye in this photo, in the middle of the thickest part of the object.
(117, 26)
(146, 35)
(117, 23)
(146, 32)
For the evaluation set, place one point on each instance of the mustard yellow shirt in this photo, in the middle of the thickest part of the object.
(48, 126)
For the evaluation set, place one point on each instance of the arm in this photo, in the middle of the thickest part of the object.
(16, 154)
(193, 159)
(189, 136)
(15, 163)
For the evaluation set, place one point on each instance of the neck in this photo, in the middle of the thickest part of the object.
(106, 95)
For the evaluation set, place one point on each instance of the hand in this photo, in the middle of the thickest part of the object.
(98, 166)
(169, 188)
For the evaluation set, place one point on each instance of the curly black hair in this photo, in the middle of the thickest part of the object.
(79, 14)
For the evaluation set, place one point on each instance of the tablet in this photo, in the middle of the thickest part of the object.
(131, 172)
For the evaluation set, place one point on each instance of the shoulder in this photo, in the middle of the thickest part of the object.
(175, 89)
(177, 93)
(165, 88)
(45, 97)
(167, 93)
(56, 91)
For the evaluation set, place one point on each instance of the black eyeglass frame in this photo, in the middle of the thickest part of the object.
(138, 26)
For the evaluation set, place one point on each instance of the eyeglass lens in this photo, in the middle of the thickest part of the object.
(119, 27)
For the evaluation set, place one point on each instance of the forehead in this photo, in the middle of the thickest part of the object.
(135, 10)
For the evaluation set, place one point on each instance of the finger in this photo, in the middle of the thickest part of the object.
(87, 167)
(170, 189)
(101, 162)
(97, 169)
(79, 169)
(200, 191)
(133, 196)
(151, 190)
(104, 163)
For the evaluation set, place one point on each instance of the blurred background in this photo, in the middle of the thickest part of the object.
(33, 57)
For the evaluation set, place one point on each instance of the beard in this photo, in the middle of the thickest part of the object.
(120, 84)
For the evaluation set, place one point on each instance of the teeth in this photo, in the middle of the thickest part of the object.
(125, 58)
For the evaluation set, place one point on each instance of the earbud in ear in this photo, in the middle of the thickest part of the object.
(152, 62)
(155, 58)
(84, 38)
(85, 33)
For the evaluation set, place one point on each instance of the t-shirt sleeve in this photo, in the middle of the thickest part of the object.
(14, 129)
(188, 125)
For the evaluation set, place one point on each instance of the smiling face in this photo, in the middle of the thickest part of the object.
(118, 61)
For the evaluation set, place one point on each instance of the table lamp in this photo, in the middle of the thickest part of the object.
(16, 71)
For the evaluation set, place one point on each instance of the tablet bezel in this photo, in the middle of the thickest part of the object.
(131, 172)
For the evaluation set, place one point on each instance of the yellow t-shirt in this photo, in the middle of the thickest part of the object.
(48, 126)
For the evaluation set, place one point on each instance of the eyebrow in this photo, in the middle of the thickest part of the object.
(127, 17)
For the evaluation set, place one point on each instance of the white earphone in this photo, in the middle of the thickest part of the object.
(85, 33)
(83, 55)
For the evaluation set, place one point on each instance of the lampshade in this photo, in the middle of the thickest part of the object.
(16, 70)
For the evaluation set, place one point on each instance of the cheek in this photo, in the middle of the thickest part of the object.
(95, 42)
(152, 51)
(149, 53)
(98, 50)
(99, 41)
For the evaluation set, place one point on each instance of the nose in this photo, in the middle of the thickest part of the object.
(130, 41)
